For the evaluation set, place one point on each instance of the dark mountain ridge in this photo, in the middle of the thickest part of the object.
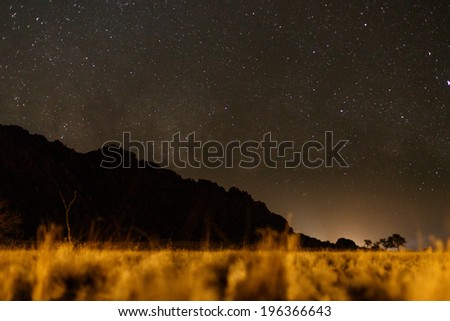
(122, 204)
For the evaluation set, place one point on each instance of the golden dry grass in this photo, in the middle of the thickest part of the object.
(64, 272)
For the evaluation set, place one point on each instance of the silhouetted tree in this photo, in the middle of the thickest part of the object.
(393, 241)
(384, 243)
(390, 242)
(368, 243)
(376, 245)
(397, 241)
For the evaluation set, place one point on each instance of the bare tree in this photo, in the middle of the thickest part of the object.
(67, 208)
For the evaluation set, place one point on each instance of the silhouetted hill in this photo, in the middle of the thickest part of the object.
(138, 204)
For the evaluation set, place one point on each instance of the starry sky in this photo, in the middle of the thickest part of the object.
(376, 73)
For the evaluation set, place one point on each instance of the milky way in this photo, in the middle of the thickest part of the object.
(375, 73)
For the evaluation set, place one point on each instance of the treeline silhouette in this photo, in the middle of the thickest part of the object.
(395, 241)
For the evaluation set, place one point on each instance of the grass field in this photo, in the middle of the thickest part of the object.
(64, 272)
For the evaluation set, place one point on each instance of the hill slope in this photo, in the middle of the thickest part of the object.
(134, 203)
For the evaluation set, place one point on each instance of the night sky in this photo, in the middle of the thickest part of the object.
(375, 73)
